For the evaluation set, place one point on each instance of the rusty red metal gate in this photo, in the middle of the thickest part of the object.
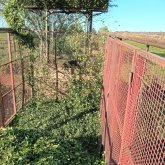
(133, 106)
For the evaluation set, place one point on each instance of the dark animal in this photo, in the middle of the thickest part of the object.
(71, 64)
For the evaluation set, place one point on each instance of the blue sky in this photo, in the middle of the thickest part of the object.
(131, 15)
(134, 15)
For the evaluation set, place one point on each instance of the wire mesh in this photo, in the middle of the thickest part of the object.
(8, 107)
(133, 106)
(12, 81)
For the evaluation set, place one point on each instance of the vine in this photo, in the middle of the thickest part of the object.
(70, 4)
(14, 13)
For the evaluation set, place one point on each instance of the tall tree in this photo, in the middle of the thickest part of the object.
(103, 30)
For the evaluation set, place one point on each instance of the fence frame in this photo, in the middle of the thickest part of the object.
(8, 41)
(147, 38)
(137, 53)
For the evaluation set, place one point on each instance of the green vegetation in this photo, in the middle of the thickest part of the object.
(3, 36)
(64, 130)
(57, 133)
(158, 51)
(103, 30)
(30, 25)
(3, 49)
(68, 4)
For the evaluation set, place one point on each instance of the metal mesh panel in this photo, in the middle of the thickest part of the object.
(133, 106)
(8, 106)
(122, 84)
(26, 72)
(19, 97)
(17, 72)
(149, 131)
(12, 81)
(5, 79)
(3, 52)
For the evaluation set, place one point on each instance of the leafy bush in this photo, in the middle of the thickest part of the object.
(65, 132)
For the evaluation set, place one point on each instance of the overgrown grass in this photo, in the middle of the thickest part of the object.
(152, 49)
(56, 133)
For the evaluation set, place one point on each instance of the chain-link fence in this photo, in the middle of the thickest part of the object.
(66, 57)
(14, 69)
(133, 106)
(47, 71)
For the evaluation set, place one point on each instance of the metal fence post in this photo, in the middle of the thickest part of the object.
(32, 81)
(105, 143)
(2, 115)
(11, 71)
(131, 110)
(127, 106)
(23, 78)
(56, 65)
